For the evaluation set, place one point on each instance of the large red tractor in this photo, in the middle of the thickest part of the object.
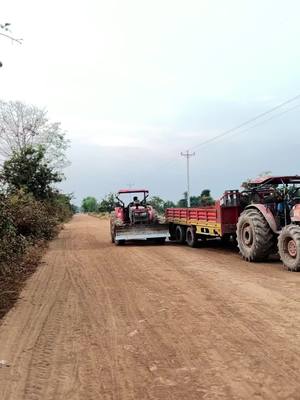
(136, 220)
(270, 220)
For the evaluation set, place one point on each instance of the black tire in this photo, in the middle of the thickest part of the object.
(119, 242)
(180, 234)
(289, 247)
(172, 232)
(254, 236)
(191, 237)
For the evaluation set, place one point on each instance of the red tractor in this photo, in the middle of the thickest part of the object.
(270, 220)
(136, 220)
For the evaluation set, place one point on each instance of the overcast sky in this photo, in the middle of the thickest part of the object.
(135, 82)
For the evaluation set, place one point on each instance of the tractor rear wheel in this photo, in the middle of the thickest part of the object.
(180, 234)
(254, 236)
(289, 247)
(191, 237)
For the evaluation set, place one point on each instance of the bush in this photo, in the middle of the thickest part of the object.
(32, 218)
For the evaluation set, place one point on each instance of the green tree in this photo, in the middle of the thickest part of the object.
(169, 204)
(107, 204)
(157, 203)
(195, 201)
(89, 204)
(28, 170)
(205, 198)
(182, 203)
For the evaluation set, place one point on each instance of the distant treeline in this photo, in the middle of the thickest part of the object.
(107, 204)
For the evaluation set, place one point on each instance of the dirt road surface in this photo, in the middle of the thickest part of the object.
(97, 321)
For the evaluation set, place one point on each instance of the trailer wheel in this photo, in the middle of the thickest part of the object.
(254, 236)
(172, 231)
(180, 234)
(289, 247)
(191, 237)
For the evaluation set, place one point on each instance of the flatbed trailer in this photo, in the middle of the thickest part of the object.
(220, 220)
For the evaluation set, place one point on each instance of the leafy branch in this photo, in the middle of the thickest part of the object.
(5, 27)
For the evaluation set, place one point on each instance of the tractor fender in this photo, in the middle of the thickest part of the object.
(268, 215)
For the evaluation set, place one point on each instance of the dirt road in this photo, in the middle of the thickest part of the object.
(98, 321)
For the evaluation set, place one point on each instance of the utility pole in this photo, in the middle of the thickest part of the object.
(187, 154)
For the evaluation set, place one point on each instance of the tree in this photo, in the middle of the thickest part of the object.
(89, 204)
(205, 198)
(182, 203)
(23, 125)
(195, 201)
(5, 32)
(107, 204)
(157, 203)
(169, 204)
(28, 170)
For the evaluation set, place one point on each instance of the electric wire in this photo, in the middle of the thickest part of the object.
(238, 127)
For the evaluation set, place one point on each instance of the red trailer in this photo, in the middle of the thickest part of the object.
(190, 224)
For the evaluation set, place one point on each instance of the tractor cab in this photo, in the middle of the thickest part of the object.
(279, 194)
(135, 209)
(135, 219)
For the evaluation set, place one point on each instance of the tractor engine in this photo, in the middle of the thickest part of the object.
(138, 215)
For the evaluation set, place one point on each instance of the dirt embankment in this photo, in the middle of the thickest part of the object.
(97, 321)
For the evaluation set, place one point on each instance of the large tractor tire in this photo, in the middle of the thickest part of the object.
(256, 241)
(289, 247)
(179, 234)
(191, 237)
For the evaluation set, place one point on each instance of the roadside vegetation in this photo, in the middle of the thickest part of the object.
(31, 208)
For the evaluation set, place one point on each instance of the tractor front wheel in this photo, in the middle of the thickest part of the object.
(254, 236)
(289, 247)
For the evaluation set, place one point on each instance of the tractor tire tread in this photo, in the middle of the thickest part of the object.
(294, 232)
(263, 236)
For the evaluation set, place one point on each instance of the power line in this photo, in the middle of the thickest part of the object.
(247, 122)
(236, 128)
(188, 155)
(265, 121)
